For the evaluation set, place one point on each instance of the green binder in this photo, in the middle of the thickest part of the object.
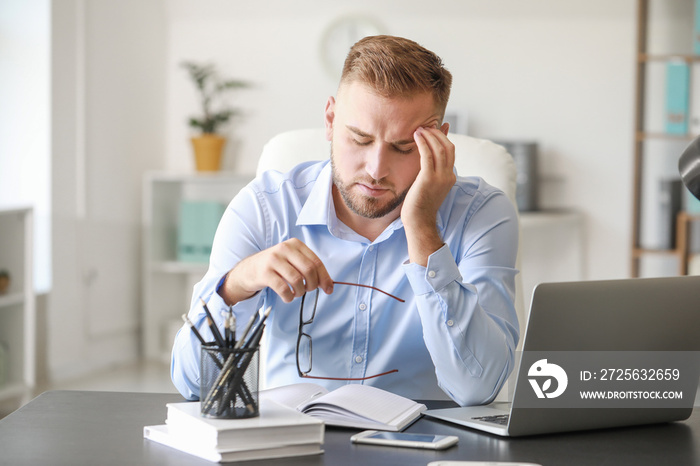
(198, 223)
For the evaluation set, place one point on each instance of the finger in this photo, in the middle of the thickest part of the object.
(315, 272)
(426, 154)
(280, 286)
(280, 266)
(441, 147)
(450, 145)
(307, 271)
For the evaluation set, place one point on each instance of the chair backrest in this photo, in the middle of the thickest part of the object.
(473, 157)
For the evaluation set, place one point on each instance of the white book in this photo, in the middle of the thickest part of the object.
(277, 425)
(353, 405)
(161, 434)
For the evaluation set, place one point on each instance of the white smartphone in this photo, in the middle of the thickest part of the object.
(402, 439)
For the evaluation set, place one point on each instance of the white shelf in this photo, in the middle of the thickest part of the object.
(17, 308)
(178, 267)
(11, 299)
(168, 282)
(13, 391)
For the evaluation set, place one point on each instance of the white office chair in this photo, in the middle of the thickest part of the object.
(473, 157)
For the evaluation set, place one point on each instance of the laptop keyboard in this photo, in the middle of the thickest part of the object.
(500, 419)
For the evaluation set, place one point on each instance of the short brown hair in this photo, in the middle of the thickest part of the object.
(397, 67)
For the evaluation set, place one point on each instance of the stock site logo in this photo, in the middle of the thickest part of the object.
(546, 372)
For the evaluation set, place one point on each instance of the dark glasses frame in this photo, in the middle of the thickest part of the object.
(302, 334)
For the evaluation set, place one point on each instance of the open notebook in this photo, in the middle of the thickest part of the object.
(353, 405)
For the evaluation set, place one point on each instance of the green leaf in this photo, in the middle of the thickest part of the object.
(210, 88)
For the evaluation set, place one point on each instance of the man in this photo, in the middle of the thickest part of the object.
(387, 212)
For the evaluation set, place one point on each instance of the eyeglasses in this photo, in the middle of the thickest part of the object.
(304, 342)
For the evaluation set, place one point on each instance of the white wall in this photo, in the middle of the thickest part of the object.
(558, 72)
(24, 120)
(107, 129)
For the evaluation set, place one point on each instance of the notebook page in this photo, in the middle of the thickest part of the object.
(370, 402)
(293, 396)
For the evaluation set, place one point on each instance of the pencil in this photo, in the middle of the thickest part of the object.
(247, 329)
(194, 330)
(212, 325)
(257, 333)
(232, 327)
(215, 331)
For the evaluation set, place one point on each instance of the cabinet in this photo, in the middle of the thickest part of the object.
(17, 305)
(551, 249)
(665, 38)
(168, 281)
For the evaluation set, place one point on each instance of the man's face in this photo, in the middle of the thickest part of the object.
(373, 154)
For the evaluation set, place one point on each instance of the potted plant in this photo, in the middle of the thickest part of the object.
(208, 146)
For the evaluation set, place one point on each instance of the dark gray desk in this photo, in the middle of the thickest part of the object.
(106, 428)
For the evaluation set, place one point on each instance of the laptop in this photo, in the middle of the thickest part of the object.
(600, 354)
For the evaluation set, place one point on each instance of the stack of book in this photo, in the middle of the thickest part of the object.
(278, 432)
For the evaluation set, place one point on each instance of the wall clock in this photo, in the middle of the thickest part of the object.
(339, 36)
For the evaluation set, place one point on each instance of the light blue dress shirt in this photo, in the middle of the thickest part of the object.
(456, 333)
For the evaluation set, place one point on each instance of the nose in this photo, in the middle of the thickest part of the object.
(377, 162)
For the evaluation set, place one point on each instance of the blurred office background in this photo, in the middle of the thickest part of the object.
(93, 99)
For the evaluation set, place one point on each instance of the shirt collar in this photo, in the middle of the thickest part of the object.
(319, 209)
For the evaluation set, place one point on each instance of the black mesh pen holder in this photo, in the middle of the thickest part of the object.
(229, 382)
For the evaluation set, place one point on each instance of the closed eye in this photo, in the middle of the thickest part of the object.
(403, 151)
(361, 143)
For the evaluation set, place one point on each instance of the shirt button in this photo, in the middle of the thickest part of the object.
(431, 274)
(450, 323)
(362, 306)
(371, 247)
(358, 359)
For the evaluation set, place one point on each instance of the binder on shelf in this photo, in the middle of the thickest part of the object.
(691, 204)
(677, 91)
(694, 105)
(669, 207)
(197, 226)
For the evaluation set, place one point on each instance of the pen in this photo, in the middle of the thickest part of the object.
(227, 332)
(194, 330)
(199, 337)
(247, 329)
(257, 333)
(231, 328)
(212, 325)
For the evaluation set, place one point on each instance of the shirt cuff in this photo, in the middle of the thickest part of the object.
(215, 301)
(440, 271)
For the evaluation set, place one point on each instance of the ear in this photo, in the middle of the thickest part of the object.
(329, 117)
(445, 128)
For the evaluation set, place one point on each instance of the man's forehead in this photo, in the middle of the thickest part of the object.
(399, 142)
(394, 119)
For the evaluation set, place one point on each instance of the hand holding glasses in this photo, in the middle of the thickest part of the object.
(304, 342)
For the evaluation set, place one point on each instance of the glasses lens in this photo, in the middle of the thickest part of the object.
(304, 355)
(308, 308)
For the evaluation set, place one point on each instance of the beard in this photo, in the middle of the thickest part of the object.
(360, 204)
